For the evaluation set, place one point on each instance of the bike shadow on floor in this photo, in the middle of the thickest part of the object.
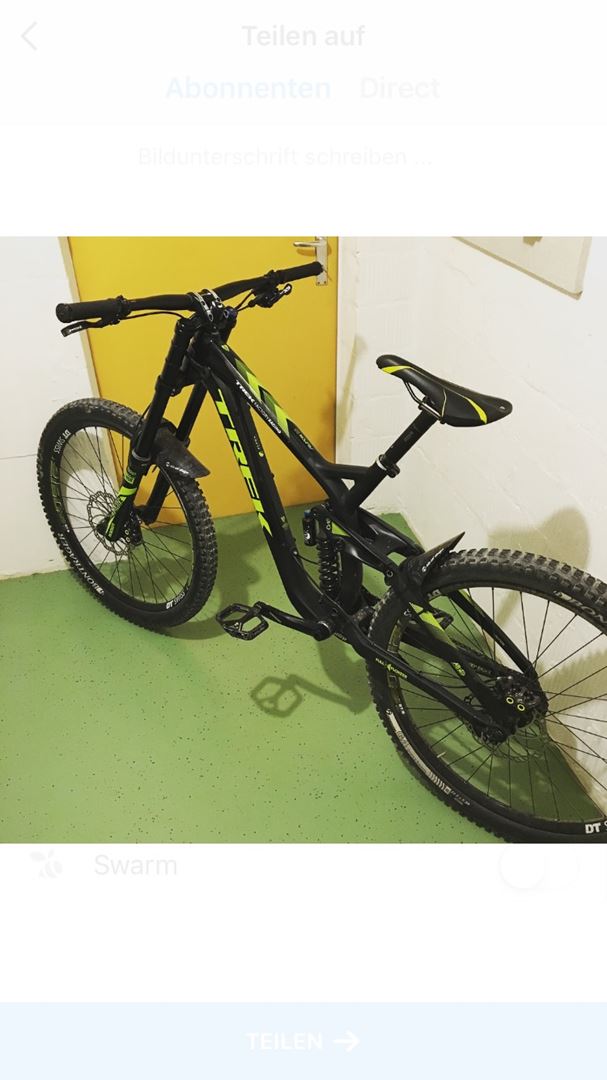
(281, 697)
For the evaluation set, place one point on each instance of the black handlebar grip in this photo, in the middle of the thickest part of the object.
(91, 309)
(295, 273)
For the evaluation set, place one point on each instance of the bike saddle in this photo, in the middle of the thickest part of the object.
(455, 405)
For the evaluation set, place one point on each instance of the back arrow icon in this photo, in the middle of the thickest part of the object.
(350, 1041)
(25, 37)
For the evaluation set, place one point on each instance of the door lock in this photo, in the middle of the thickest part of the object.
(321, 249)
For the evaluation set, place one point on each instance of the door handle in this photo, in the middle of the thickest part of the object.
(321, 249)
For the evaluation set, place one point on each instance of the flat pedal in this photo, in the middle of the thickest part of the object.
(235, 617)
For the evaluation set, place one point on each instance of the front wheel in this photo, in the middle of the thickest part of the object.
(159, 574)
(547, 781)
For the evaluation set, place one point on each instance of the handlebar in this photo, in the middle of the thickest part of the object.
(119, 307)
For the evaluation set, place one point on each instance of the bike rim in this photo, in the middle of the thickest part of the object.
(553, 771)
(152, 565)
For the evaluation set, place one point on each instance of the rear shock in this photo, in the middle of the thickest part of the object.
(328, 566)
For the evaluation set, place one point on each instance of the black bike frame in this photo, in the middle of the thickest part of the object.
(207, 363)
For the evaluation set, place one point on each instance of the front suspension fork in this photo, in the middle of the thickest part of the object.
(142, 449)
(149, 513)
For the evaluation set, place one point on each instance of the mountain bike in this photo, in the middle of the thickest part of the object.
(487, 667)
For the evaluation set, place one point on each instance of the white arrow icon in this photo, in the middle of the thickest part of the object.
(25, 37)
(350, 1041)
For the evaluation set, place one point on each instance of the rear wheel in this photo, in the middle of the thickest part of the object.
(156, 575)
(546, 781)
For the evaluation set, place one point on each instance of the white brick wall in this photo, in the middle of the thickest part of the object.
(39, 371)
(535, 480)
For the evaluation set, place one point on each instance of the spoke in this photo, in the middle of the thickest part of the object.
(146, 572)
(135, 564)
(427, 663)
(585, 677)
(530, 782)
(524, 625)
(116, 569)
(104, 560)
(555, 638)
(509, 758)
(583, 741)
(430, 708)
(578, 750)
(580, 716)
(483, 762)
(580, 697)
(101, 465)
(493, 620)
(83, 492)
(447, 733)
(155, 535)
(433, 723)
(181, 584)
(551, 781)
(130, 570)
(164, 550)
(481, 628)
(490, 774)
(539, 644)
(150, 573)
(563, 795)
(580, 766)
(86, 535)
(572, 727)
(460, 615)
(89, 464)
(574, 653)
(476, 750)
(173, 539)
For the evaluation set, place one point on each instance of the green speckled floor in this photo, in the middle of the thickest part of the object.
(112, 733)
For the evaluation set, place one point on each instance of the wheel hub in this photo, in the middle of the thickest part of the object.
(99, 508)
(525, 698)
(526, 704)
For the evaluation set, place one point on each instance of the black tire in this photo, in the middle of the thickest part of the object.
(181, 578)
(577, 596)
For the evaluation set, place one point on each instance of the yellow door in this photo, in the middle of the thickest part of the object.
(291, 347)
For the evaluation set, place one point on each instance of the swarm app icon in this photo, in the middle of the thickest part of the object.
(50, 867)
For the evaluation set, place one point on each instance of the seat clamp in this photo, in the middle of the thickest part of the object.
(391, 470)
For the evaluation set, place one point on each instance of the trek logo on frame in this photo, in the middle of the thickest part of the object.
(240, 456)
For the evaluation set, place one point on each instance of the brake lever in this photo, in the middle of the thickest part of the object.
(271, 297)
(77, 327)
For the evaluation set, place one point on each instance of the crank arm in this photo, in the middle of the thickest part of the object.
(313, 627)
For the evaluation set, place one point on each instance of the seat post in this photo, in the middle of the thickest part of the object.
(385, 464)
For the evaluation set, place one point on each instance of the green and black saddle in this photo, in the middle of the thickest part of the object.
(453, 404)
